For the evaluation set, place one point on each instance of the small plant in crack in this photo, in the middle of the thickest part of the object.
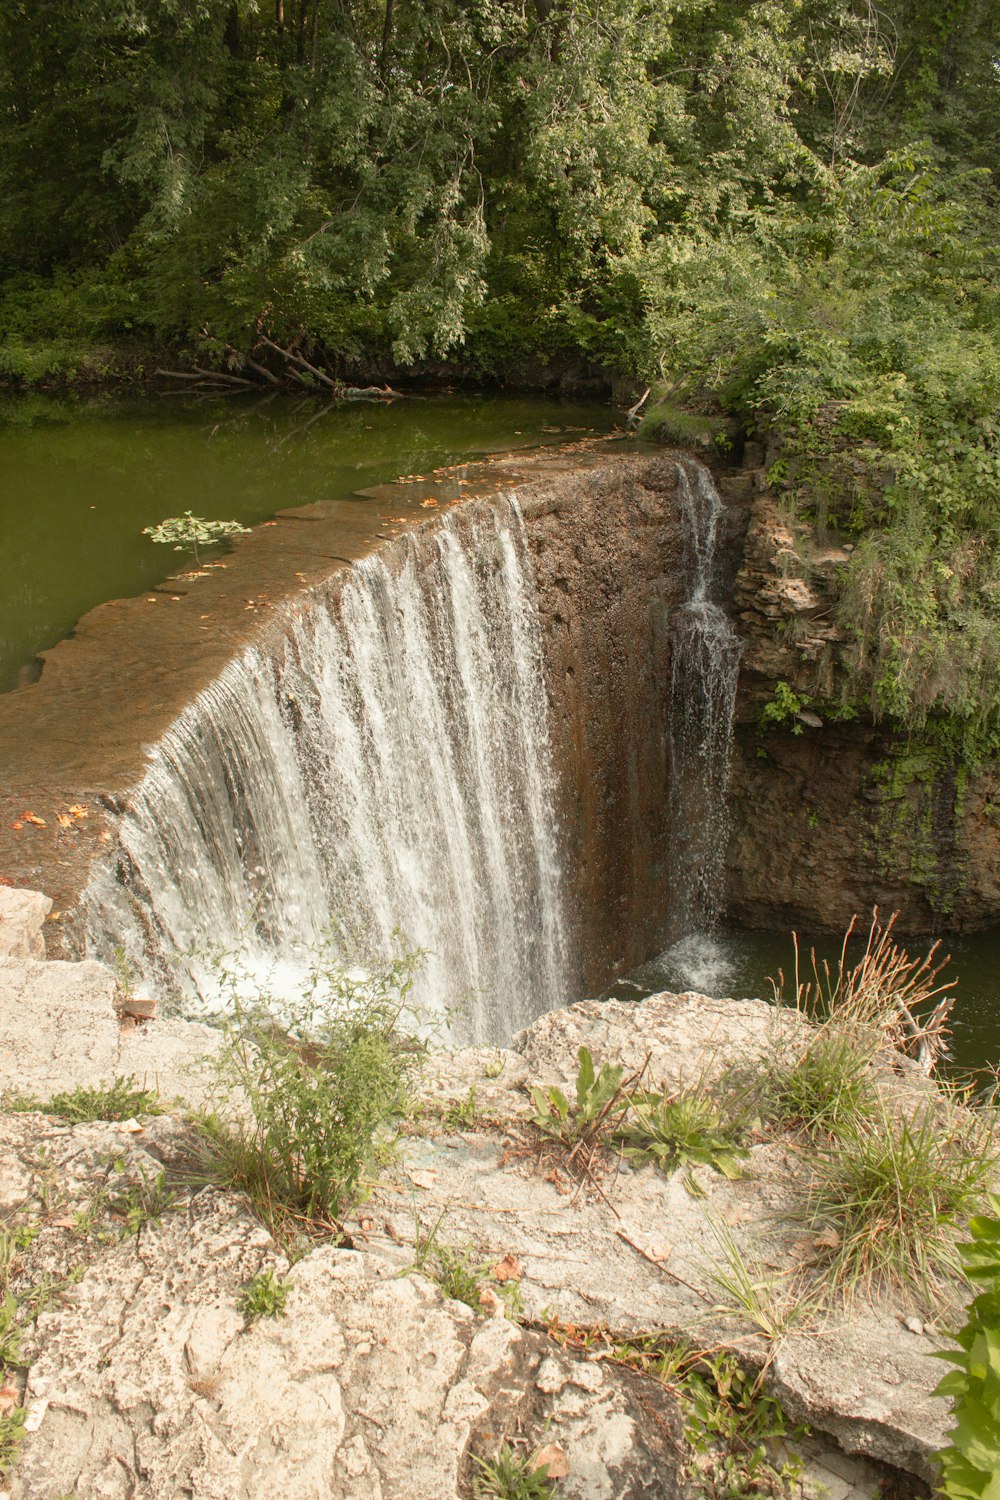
(511, 1476)
(266, 1296)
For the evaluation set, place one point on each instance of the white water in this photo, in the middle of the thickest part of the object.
(705, 667)
(383, 783)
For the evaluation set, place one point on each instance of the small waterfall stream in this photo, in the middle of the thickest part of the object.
(384, 780)
(705, 666)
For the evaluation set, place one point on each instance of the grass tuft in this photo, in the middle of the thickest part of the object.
(888, 1196)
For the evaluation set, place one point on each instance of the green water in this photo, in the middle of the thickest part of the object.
(740, 963)
(79, 481)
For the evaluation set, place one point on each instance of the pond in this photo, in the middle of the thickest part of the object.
(82, 479)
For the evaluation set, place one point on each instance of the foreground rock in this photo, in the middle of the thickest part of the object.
(142, 1378)
(148, 1380)
(641, 1254)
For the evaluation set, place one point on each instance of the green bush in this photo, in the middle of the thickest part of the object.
(303, 1104)
(970, 1464)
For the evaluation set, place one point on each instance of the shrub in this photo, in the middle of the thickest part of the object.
(304, 1104)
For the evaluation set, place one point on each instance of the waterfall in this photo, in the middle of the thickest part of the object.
(382, 780)
(705, 666)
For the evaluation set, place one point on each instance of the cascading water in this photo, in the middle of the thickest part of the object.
(705, 666)
(383, 781)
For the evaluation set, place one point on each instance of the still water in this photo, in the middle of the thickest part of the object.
(740, 963)
(80, 480)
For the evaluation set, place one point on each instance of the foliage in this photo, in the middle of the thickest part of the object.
(783, 705)
(304, 1104)
(736, 1432)
(681, 1130)
(121, 1099)
(11, 1435)
(264, 1297)
(187, 532)
(509, 1476)
(782, 212)
(600, 1100)
(970, 1464)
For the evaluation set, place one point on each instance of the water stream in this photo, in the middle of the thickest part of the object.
(705, 667)
(382, 783)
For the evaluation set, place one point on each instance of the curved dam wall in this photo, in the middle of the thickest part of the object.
(457, 728)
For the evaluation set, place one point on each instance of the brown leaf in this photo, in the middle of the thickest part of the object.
(64, 820)
(78, 809)
(827, 1239)
(30, 817)
(8, 1399)
(554, 1459)
(422, 1177)
(507, 1269)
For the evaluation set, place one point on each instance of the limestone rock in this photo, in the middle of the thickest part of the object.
(58, 1029)
(21, 916)
(369, 1387)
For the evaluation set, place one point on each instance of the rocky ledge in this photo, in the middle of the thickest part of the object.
(141, 1376)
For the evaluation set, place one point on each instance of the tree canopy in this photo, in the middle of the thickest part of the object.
(783, 210)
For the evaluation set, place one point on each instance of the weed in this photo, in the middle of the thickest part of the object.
(11, 1433)
(819, 1087)
(682, 1130)
(10, 1331)
(735, 1431)
(142, 1202)
(122, 1099)
(264, 1297)
(754, 1292)
(888, 1196)
(495, 1066)
(509, 1476)
(453, 1269)
(461, 1113)
(580, 1130)
(317, 1095)
(886, 991)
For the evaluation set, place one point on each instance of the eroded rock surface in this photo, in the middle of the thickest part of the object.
(142, 1378)
(58, 1022)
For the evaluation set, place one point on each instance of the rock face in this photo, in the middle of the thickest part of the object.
(59, 1018)
(831, 818)
(607, 561)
